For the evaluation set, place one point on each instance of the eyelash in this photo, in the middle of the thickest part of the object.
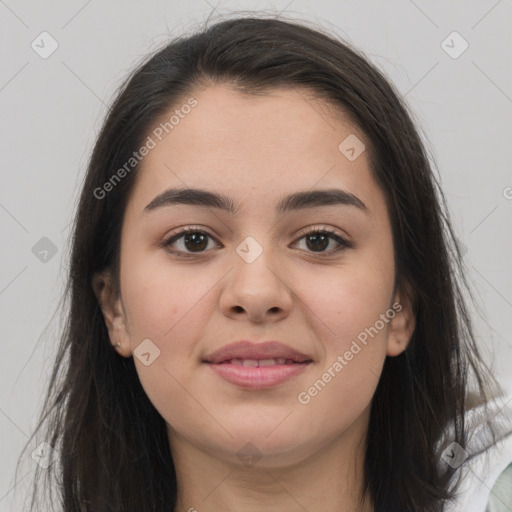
(344, 244)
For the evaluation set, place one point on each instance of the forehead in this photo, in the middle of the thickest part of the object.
(256, 148)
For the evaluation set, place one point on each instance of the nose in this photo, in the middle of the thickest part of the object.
(257, 290)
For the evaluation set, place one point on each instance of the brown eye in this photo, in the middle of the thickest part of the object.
(189, 240)
(317, 241)
(195, 241)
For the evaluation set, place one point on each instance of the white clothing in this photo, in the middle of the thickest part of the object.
(481, 473)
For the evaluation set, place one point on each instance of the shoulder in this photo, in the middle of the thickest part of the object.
(488, 465)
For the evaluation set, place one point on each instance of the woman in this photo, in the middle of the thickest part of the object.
(266, 307)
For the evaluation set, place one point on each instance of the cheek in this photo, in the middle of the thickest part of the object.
(354, 348)
(162, 299)
(353, 298)
(356, 308)
(169, 306)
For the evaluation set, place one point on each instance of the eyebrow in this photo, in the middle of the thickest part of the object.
(292, 202)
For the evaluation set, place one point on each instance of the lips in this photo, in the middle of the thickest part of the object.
(268, 353)
(257, 365)
(259, 362)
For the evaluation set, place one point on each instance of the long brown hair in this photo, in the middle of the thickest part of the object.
(112, 443)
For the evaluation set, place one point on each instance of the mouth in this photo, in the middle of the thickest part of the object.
(257, 365)
(258, 373)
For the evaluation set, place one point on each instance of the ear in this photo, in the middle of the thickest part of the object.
(113, 312)
(401, 326)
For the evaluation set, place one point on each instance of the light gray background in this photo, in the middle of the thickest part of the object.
(52, 109)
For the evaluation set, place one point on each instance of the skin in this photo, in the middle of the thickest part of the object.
(256, 150)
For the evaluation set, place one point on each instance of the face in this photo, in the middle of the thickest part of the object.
(258, 274)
